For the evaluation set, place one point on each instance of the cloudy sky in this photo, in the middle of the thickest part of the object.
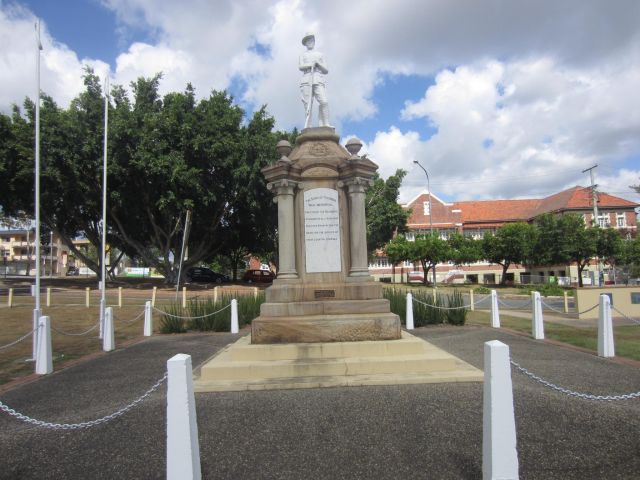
(496, 98)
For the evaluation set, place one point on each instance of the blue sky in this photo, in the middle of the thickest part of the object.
(493, 97)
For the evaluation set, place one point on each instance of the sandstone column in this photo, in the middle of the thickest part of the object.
(284, 190)
(357, 226)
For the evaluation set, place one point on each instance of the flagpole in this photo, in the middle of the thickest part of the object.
(103, 283)
(37, 310)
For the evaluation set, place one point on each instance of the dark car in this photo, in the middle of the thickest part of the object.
(73, 271)
(258, 276)
(205, 275)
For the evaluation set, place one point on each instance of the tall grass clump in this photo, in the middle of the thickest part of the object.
(459, 315)
(205, 315)
(425, 309)
(397, 300)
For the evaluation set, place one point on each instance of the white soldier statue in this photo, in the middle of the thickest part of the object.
(314, 69)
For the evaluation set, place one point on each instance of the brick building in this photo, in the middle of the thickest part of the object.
(476, 218)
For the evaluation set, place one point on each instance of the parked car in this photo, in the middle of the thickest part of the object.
(73, 271)
(258, 276)
(205, 275)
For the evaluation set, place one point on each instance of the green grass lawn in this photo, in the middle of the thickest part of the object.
(626, 338)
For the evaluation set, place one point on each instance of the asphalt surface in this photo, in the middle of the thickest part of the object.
(392, 432)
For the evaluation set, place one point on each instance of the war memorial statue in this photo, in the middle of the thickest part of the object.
(314, 68)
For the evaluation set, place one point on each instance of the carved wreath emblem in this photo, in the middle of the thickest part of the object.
(319, 150)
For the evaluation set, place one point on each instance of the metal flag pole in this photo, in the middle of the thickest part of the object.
(310, 108)
(103, 276)
(37, 310)
(185, 237)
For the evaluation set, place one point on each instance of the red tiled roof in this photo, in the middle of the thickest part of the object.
(497, 210)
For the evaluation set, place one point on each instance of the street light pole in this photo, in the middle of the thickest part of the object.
(103, 273)
(430, 212)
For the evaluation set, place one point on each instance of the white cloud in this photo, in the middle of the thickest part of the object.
(519, 104)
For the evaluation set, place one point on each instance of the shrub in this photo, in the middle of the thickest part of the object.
(171, 323)
(482, 290)
(426, 311)
(459, 315)
(398, 301)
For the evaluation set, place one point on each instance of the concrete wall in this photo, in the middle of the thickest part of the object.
(621, 299)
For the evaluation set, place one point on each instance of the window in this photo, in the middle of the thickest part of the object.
(635, 298)
(603, 221)
(425, 205)
(621, 220)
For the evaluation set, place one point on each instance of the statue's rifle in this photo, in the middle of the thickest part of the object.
(310, 106)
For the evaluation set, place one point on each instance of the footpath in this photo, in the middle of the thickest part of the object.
(429, 431)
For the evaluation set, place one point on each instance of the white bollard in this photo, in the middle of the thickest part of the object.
(606, 347)
(44, 360)
(409, 319)
(33, 290)
(120, 297)
(499, 452)
(566, 303)
(101, 314)
(10, 299)
(153, 296)
(234, 316)
(148, 320)
(48, 296)
(215, 295)
(109, 341)
(537, 323)
(495, 312)
(255, 292)
(37, 313)
(472, 304)
(87, 299)
(183, 447)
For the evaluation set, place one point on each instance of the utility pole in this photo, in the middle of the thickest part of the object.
(594, 200)
(594, 194)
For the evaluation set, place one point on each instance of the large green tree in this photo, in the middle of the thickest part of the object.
(385, 216)
(429, 250)
(509, 245)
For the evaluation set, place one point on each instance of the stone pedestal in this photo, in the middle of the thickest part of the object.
(323, 292)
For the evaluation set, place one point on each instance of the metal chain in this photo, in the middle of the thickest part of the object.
(18, 340)
(589, 309)
(505, 304)
(129, 322)
(91, 423)
(438, 306)
(586, 396)
(555, 309)
(69, 334)
(625, 316)
(190, 318)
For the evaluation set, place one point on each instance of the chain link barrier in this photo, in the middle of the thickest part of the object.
(190, 318)
(70, 334)
(91, 423)
(637, 322)
(505, 304)
(18, 340)
(440, 307)
(129, 322)
(571, 393)
(553, 309)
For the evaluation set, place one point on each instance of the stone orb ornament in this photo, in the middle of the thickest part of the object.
(353, 146)
(283, 148)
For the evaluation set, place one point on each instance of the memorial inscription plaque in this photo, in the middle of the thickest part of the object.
(322, 230)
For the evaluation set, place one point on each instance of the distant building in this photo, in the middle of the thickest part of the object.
(476, 218)
(18, 253)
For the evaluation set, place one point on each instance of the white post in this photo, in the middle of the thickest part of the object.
(148, 320)
(48, 296)
(44, 361)
(37, 313)
(215, 295)
(605, 329)
(87, 297)
(120, 297)
(499, 453)
(495, 312)
(234, 316)
(10, 299)
(566, 302)
(183, 447)
(472, 305)
(255, 292)
(409, 319)
(102, 315)
(153, 296)
(109, 341)
(537, 323)
(184, 297)
(33, 290)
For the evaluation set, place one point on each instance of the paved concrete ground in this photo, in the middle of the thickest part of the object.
(392, 432)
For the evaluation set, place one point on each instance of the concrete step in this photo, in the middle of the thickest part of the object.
(324, 307)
